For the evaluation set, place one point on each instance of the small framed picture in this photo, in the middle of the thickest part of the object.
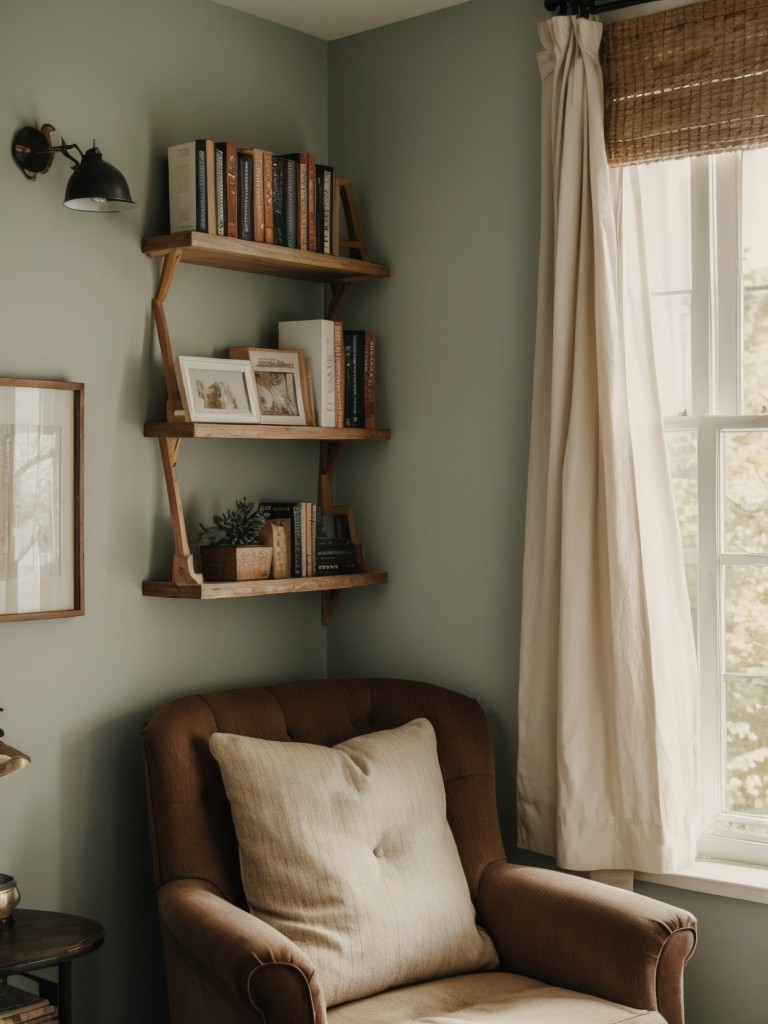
(282, 386)
(217, 390)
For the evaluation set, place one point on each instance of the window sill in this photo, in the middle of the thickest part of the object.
(737, 881)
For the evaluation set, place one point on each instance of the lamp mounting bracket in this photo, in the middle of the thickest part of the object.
(33, 152)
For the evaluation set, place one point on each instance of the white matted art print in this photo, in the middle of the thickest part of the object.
(280, 376)
(217, 390)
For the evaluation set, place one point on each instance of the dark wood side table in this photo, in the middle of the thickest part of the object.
(42, 938)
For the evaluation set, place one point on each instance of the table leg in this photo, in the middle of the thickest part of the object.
(65, 993)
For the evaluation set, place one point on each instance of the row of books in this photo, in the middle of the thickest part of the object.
(225, 189)
(18, 1006)
(319, 544)
(341, 368)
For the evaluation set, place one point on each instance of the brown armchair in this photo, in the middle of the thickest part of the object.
(568, 948)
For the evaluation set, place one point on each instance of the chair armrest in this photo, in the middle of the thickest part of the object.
(252, 961)
(584, 935)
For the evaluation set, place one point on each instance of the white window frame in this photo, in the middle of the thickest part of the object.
(716, 347)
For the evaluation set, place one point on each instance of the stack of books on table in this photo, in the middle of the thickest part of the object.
(243, 192)
(17, 1006)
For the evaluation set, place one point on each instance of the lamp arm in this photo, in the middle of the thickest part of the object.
(64, 149)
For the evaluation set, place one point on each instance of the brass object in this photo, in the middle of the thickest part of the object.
(9, 898)
(11, 760)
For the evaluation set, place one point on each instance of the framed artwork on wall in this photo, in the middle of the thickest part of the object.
(41, 499)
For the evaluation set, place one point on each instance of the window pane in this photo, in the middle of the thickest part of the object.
(671, 325)
(755, 279)
(666, 195)
(746, 712)
(755, 370)
(745, 485)
(745, 648)
(682, 454)
(754, 229)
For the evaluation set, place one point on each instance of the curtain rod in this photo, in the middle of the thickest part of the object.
(583, 8)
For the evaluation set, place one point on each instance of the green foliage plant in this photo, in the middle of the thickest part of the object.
(239, 526)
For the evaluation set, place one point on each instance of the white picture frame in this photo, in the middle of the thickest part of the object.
(217, 390)
(280, 378)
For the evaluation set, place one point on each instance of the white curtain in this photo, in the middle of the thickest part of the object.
(608, 692)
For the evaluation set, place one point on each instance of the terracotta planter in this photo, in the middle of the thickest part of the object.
(222, 564)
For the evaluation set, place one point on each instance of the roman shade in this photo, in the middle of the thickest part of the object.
(685, 82)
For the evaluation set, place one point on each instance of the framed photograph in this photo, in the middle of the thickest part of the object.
(217, 390)
(280, 376)
(41, 499)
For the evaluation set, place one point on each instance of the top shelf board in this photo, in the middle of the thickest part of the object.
(262, 258)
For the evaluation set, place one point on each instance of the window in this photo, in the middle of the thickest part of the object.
(706, 227)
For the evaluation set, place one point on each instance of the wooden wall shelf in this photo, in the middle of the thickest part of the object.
(262, 432)
(340, 272)
(261, 258)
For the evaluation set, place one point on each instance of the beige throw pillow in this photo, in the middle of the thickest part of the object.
(347, 851)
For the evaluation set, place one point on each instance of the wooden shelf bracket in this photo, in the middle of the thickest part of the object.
(183, 572)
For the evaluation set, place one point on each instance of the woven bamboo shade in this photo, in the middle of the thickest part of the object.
(688, 81)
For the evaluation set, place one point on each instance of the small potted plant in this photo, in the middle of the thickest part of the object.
(230, 548)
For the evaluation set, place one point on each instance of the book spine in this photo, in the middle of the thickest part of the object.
(311, 219)
(201, 187)
(369, 378)
(354, 353)
(220, 186)
(259, 234)
(291, 204)
(210, 186)
(339, 388)
(231, 191)
(279, 201)
(245, 198)
(269, 215)
(323, 207)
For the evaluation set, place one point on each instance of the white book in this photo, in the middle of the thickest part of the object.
(316, 338)
(189, 191)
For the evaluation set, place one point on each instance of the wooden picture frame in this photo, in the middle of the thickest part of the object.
(217, 390)
(282, 385)
(41, 499)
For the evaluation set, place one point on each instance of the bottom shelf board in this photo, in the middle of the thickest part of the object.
(261, 588)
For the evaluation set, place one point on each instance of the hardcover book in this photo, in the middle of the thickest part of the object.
(316, 339)
(245, 197)
(354, 378)
(324, 192)
(188, 187)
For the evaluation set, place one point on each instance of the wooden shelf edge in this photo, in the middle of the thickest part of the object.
(261, 257)
(264, 432)
(261, 588)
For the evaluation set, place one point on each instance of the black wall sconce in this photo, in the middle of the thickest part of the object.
(94, 186)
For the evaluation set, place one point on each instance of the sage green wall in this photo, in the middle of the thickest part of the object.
(437, 120)
(74, 303)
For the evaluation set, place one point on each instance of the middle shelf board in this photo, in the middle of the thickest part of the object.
(264, 432)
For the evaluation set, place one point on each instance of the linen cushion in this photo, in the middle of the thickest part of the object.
(347, 850)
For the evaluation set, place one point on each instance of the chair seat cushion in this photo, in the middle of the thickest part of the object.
(488, 998)
(347, 850)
